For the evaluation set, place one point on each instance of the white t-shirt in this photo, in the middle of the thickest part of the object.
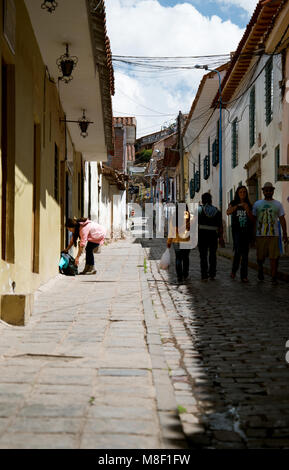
(267, 213)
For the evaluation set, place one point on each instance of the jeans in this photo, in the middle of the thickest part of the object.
(241, 251)
(89, 253)
(208, 241)
(182, 262)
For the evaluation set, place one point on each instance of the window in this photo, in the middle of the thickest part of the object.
(277, 161)
(218, 132)
(36, 200)
(56, 174)
(269, 91)
(197, 181)
(192, 188)
(7, 165)
(252, 118)
(234, 130)
(215, 153)
(206, 167)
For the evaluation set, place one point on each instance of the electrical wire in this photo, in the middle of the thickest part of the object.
(120, 113)
(143, 106)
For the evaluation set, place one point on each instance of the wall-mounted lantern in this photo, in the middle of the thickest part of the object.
(66, 64)
(49, 5)
(83, 123)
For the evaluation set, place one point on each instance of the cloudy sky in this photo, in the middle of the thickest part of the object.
(168, 28)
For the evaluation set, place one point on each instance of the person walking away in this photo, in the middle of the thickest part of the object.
(179, 237)
(267, 212)
(210, 231)
(91, 235)
(242, 230)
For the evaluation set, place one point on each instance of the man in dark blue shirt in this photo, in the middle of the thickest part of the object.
(210, 230)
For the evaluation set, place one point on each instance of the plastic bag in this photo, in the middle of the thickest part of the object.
(165, 260)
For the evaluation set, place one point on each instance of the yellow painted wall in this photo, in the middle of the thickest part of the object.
(36, 102)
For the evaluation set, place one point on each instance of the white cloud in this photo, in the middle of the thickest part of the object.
(248, 5)
(145, 28)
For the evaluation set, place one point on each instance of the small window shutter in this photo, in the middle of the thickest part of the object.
(252, 117)
(269, 91)
(234, 143)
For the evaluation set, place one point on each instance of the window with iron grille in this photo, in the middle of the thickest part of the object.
(192, 188)
(215, 153)
(197, 181)
(206, 167)
(269, 91)
(234, 130)
(277, 161)
(252, 118)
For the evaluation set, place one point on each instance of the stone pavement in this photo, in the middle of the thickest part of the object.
(225, 346)
(129, 359)
(88, 370)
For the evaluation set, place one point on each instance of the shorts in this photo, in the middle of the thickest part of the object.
(267, 247)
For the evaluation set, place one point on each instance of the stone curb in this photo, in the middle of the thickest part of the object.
(281, 275)
(165, 395)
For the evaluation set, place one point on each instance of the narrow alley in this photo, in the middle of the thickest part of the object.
(128, 359)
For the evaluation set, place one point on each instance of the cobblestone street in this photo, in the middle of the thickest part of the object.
(128, 359)
(225, 347)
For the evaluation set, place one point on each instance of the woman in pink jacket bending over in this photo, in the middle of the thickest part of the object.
(91, 236)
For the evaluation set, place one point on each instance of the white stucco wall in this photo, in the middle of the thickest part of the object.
(200, 146)
(267, 137)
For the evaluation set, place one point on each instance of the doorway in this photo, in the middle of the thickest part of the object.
(7, 161)
(253, 188)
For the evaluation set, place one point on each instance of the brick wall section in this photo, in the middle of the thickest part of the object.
(118, 158)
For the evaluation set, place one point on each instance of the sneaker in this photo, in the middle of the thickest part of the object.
(89, 270)
(232, 275)
(205, 279)
(245, 280)
(85, 270)
(212, 278)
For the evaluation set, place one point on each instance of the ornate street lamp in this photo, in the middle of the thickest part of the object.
(49, 5)
(83, 123)
(66, 64)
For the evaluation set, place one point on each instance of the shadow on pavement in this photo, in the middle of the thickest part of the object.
(236, 368)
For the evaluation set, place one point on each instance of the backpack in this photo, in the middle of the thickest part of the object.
(67, 265)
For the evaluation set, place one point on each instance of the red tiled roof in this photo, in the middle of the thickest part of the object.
(103, 62)
(101, 7)
(125, 121)
(114, 176)
(254, 34)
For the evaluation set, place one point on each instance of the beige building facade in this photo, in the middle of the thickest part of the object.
(42, 172)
